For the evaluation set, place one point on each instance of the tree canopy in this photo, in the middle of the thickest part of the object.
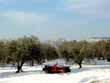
(32, 50)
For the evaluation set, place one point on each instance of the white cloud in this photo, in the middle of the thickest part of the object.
(23, 18)
(16, 1)
(99, 8)
(7, 1)
(41, 1)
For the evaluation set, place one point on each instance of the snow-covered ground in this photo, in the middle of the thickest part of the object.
(35, 75)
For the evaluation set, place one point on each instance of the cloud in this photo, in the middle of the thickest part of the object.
(17, 1)
(40, 1)
(18, 23)
(98, 8)
(23, 18)
(5, 2)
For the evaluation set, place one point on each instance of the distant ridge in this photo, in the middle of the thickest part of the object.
(91, 39)
(100, 38)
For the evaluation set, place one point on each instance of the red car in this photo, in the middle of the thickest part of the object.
(56, 69)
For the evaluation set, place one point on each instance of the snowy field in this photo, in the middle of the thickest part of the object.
(35, 75)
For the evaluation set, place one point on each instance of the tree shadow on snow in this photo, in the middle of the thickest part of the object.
(77, 70)
(14, 74)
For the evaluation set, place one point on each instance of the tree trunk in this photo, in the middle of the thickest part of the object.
(19, 67)
(80, 65)
(39, 61)
(32, 63)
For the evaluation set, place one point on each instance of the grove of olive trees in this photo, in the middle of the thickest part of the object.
(31, 50)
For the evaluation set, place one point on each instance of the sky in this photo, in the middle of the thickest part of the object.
(54, 19)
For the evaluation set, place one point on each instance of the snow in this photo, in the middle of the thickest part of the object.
(101, 81)
(35, 75)
(57, 61)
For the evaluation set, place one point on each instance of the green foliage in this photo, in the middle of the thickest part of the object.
(3, 52)
(81, 50)
(30, 49)
(49, 52)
